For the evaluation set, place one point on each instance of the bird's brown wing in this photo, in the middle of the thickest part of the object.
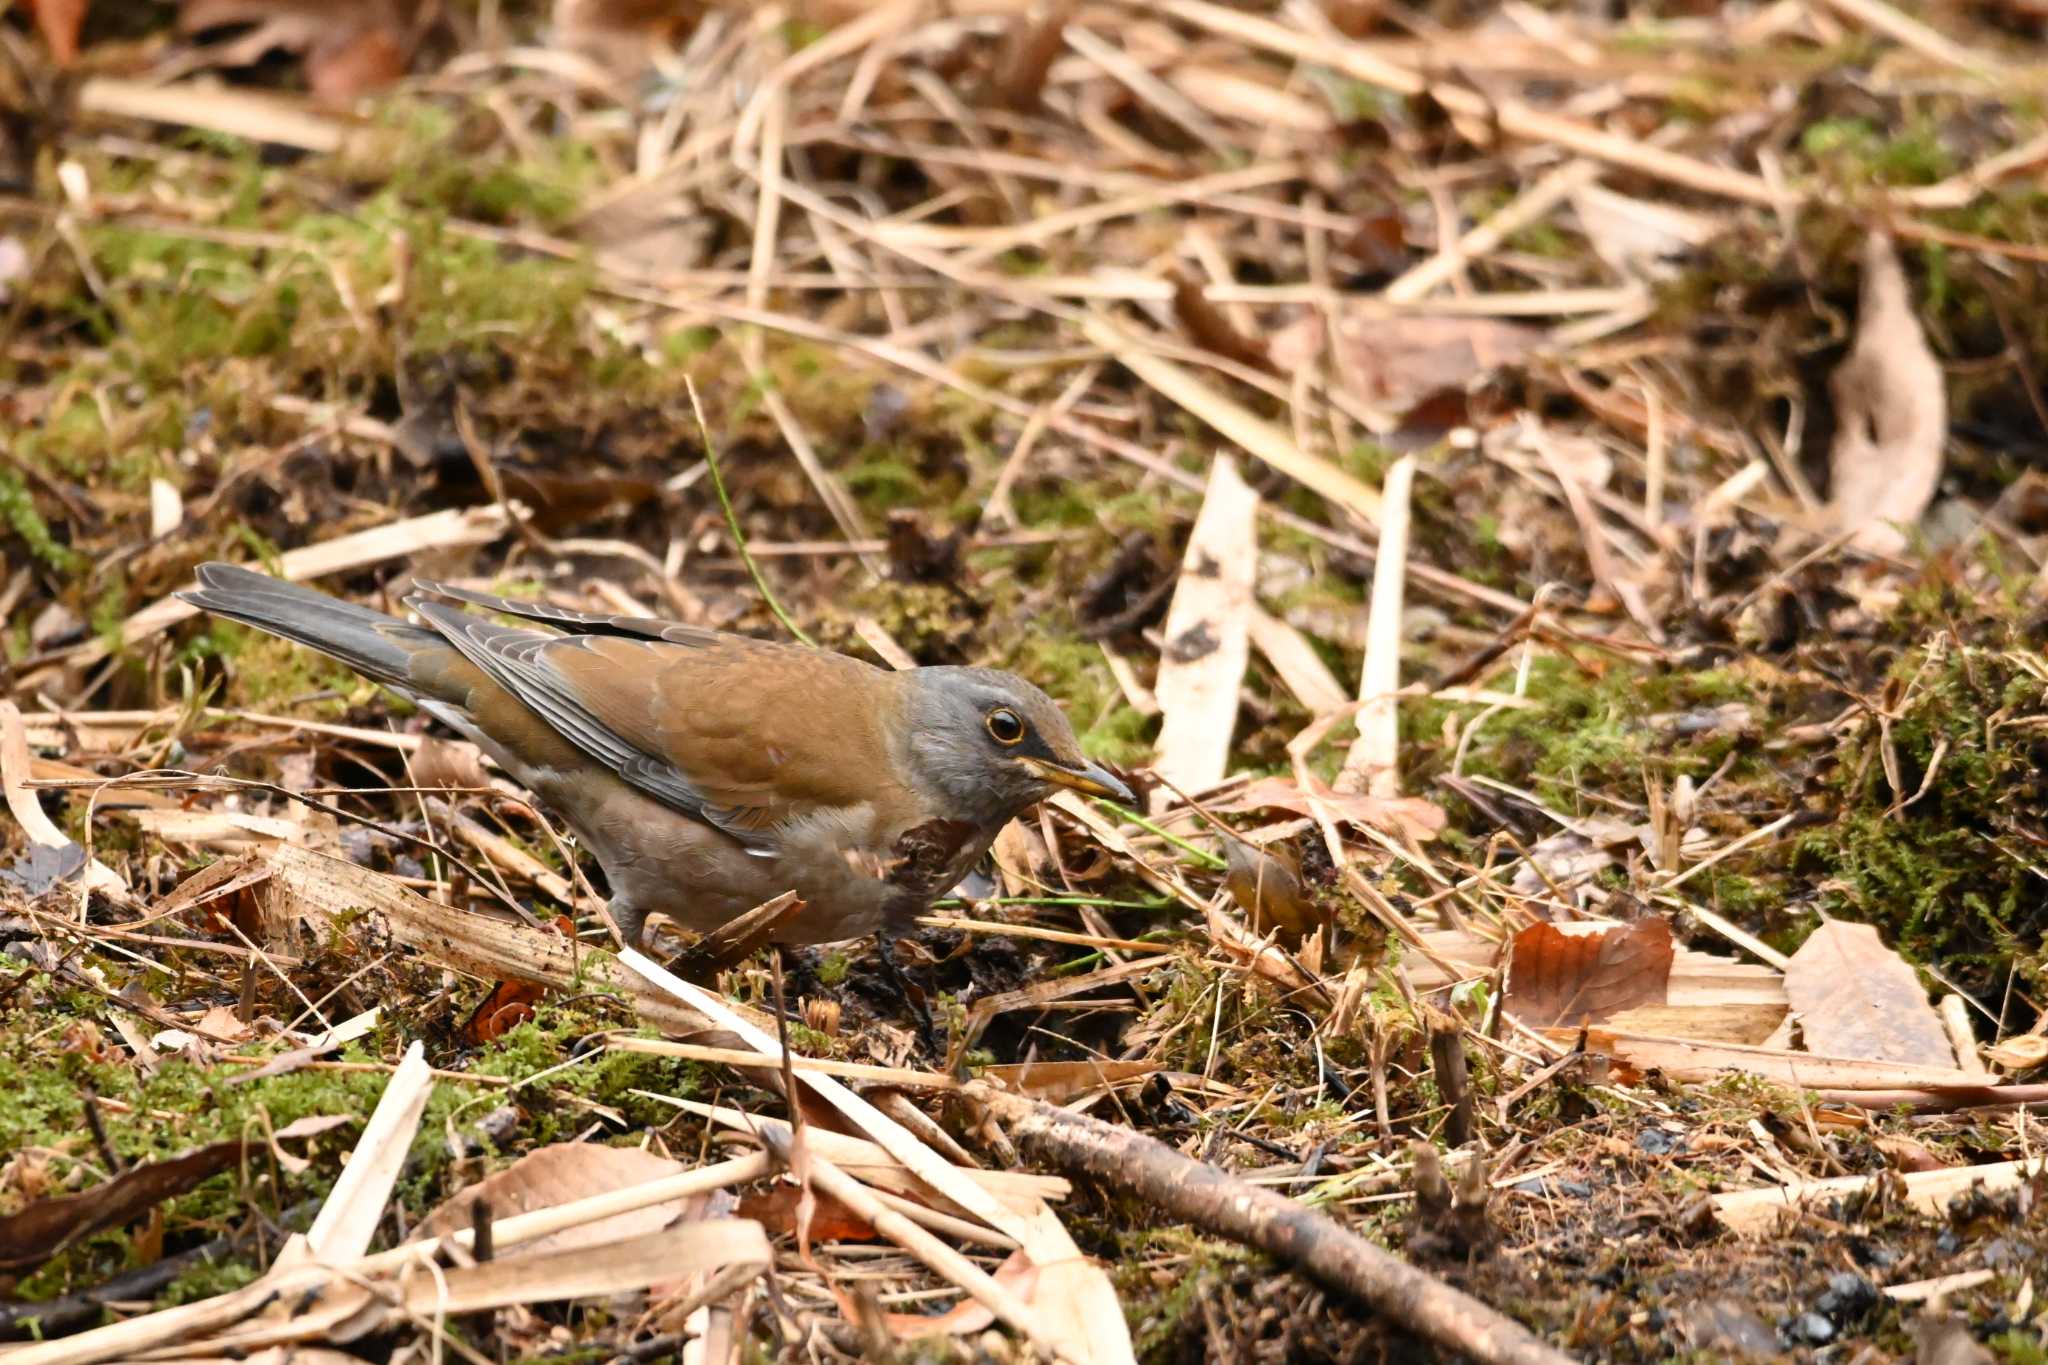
(746, 735)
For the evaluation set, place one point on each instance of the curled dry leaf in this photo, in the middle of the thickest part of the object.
(44, 1228)
(1210, 329)
(2021, 1053)
(1891, 413)
(1907, 1154)
(558, 1174)
(1016, 1274)
(510, 1002)
(1556, 978)
(1267, 885)
(1857, 998)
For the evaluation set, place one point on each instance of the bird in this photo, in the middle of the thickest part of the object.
(708, 772)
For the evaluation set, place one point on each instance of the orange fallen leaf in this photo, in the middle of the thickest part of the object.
(510, 1002)
(830, 1220)
(1558, 978)
(59, 21)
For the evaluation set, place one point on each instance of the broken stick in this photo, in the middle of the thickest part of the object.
(1219, 1202)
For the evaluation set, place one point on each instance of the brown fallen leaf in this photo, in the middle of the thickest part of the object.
(1210, 329)
(1909, 1154)
(1891, 413)
(558, 1174)
(1396, 362)
(1016, 1274)
(1031, 44)
(347, 53)
(1058, 1082)
(777, 1211)
(510, 1002)
(1857, 998)
(1402, 815)
(1944, 1339)
(44, 1228)
(1558, 978)
(2023, 1052)
(59, 21)
(1267, 885)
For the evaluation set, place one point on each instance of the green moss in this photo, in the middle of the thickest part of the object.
(882, 478)
(2018, 1346)
(1589, 730)
(1857, 150)
(1159, 1312)
(1949, 878)
(18, 511)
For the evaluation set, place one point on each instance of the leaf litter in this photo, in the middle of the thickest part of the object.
(1066, 263)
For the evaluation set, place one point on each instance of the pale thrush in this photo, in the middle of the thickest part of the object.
(709, 772)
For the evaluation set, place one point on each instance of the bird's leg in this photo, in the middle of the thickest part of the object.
(899, 981)
(630, 921)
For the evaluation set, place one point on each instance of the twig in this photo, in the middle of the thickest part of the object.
(1222, 1204)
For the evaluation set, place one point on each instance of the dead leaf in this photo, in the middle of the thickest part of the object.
(1058, 1082)
(510, 1002)
(1211, 330)
(1031, 44)
(1559, 978)
(1857, 998)
(2020, 1053)
(828, 1220)
(1636, 236)
(1016, 1274)
(1266, 883)
(344, 68)
(1944, 1339)
(1891, 413)
(41, 1230)
(557, 1174)
(59, 21)
(1907, 1154)
(1396, 362)
(347, 53)
(221, 1025)
(1408, 816)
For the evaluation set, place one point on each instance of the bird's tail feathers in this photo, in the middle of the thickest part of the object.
(378, 646)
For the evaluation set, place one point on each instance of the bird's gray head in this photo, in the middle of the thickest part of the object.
(993, 744)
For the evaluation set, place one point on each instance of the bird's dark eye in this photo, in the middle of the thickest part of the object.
(1005, 727)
